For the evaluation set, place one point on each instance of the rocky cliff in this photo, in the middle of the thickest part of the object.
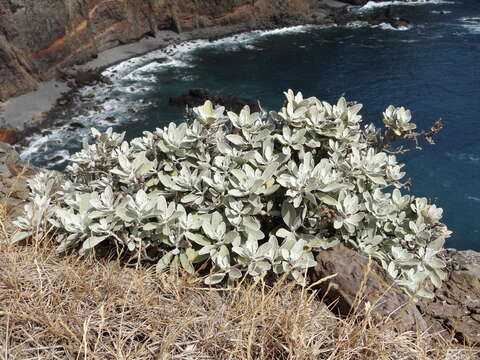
(37, 37)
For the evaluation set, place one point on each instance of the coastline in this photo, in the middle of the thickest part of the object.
(38, 110)
(27, 112)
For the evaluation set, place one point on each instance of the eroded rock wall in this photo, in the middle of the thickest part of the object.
(37, 37)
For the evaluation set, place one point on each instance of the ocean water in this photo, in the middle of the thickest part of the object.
(432, 68)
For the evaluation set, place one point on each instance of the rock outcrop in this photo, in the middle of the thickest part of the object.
(17, 73)
(10, 136)
(197, 97)
(358, 281)
(455, 308)
(456, 305)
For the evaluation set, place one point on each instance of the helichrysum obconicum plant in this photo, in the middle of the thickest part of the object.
(246, 194)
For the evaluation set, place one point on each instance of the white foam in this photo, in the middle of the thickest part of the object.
(251, 47)
(442, 12)
(357, 24)
(383, 26)
(132, 89)
(40, 144)
(137, 76)
(373, 5)
(470, 26)
(464, 157)
(189, 77)
(474, 198)
(288, 30)
(474, 29)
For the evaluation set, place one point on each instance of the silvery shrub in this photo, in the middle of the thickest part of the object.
(246, 194)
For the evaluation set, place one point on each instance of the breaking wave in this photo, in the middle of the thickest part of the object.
(373, 5)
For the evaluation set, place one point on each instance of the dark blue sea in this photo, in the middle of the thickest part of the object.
(432, 68)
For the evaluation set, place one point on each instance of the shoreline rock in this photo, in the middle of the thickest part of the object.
(14, 175)
(197, 97)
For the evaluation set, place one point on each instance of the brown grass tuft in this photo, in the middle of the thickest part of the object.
(54, 307)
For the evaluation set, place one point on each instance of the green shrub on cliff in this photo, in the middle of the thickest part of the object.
(242, 194)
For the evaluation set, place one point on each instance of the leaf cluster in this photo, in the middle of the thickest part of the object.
(247, 194)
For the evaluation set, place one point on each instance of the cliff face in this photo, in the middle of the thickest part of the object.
(37, 37)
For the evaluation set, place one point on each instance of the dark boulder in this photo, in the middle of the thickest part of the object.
(386, 16)
(197, 97)
(399, 23)
(359, 281)
(161, 60)
(76, 125)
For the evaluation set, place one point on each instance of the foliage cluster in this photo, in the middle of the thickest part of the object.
(246, 193)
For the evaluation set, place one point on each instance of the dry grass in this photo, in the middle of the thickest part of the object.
(55, 307)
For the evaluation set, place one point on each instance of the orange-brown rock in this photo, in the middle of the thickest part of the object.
(10, 136)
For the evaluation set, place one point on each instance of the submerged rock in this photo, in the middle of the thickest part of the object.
(197, 97)
(386, 16)
(399, 23)
(162, 60)
(472, 20)
(57, 159)
(76, 125)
